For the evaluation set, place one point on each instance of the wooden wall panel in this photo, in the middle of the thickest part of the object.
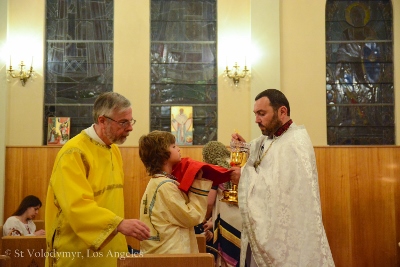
(359, 188)
(135, 183)
(359, 195)
(28, 170)
(335, 199)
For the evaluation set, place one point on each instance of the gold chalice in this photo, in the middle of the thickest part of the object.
(239, 154)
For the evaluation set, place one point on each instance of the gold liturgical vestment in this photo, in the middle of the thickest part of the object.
(85, 204)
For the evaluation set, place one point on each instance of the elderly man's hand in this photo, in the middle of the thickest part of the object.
(134, 228)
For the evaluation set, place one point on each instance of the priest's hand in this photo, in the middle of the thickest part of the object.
(134, 228)
(237, 137)
(235, 174)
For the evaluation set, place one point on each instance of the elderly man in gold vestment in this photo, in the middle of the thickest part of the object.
(85, 223)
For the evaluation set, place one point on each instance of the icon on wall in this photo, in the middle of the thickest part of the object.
(182, 124)
(58, 130)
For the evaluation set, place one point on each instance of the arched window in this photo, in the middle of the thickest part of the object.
(79, 59)
(359, 73)
(183, 60)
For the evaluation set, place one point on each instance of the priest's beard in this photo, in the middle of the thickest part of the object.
(270, 128)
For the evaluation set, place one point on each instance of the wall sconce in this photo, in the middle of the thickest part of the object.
(235, 74)
(23, 74)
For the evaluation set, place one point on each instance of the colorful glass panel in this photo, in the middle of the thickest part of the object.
(183, 64)
(359, 73)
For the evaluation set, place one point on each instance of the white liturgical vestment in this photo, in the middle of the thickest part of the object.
(280, 204)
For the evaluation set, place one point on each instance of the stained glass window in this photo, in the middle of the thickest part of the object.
(79, 59)
(359, 72)
(184, 68)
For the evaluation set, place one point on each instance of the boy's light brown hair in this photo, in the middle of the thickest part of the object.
(154, 150)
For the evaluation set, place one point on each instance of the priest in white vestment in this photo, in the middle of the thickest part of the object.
(279, 194)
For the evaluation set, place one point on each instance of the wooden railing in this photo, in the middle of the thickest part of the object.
(25, 251)
(359, 187)
(168, 260)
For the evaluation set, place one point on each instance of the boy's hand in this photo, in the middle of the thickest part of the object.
(199, 174)
(209, 235)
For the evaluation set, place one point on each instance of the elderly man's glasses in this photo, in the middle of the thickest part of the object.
(123, 124)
